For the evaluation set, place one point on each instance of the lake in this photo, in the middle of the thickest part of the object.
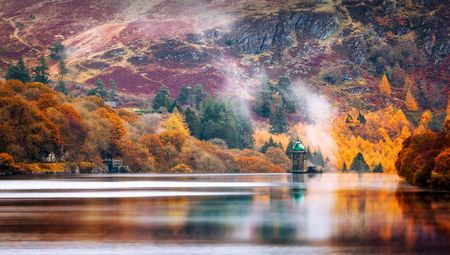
(221, 214)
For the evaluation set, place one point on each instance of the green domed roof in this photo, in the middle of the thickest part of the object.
(298, 146)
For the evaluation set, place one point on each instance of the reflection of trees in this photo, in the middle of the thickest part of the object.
(275, 228)
(427, 218)
(168, 218)
(367, 216)
(215, 218)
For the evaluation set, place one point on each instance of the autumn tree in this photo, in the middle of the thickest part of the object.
(424, 158)
(153, 145)
(277, 157)
(424, 120)
(7, 164)
(410, 101)
(25, 132)
(176, 130)
(18, 72)
(116, 129)
(385, 86)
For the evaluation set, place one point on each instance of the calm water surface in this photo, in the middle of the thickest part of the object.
(222, 214)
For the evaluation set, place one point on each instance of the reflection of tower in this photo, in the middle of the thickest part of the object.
(298, 187)
(298, 158)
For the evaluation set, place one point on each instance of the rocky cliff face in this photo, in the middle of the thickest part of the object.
(256, 35)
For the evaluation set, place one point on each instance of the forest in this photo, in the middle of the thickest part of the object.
(45, 128)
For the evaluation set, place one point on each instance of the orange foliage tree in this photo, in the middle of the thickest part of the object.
(385, 86)
(410, 101)
(379, 139)
(25, 132)
(424, 159)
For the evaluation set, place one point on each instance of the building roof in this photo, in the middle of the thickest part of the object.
(298, 146)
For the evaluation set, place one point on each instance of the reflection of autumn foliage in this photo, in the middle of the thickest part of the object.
(424, 159)
(425, 217)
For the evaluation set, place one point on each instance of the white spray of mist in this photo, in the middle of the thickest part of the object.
(316, 130)
(241, 80)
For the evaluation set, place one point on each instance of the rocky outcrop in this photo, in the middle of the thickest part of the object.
(256, 35)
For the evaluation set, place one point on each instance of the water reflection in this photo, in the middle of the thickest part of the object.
(328, 210)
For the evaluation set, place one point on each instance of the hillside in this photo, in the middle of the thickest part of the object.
(339, 47)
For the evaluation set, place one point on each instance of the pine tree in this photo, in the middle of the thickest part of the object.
(62, 69)
(99, 90)
(161, 99)
(40, 72)
(57, 51)
(361, 118)
(410, 101)
(262, 100)
(18, 72)
(183, 96)
(244, 128)
(268, 144)
(198, 95)
(278, 120)
(378, 168)
(287, 93)
(192, 121)
(385, 86)
(359, 164)
(61, 87)
(113, 93)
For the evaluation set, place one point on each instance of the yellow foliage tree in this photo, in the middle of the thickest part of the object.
(379, 140)
(410, 101)
(426, 117)
(176, 123)
(448, 109)
(176, 130)
(385, 86)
